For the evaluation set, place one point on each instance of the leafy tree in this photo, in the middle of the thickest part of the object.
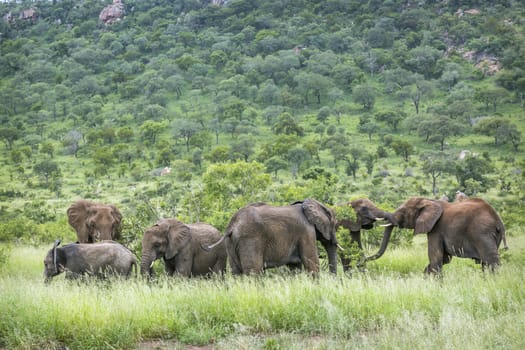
(369, 128)
(124, 154)
(296, 156)
(312, 83)
(268, 92)
(323, 113)
(230, 186)
(151, 129)
(403, 148)
(104, 157)
(437, 128)
(471, 174)
(185, 129)
(436, 164)
(491, 96)
(424, 60)
(125, 134)
(274, 164)
(186, 61)
(48, 148)
(391, 118)
(354, 156)
(418, 91)
(47, 169)
(9, 135)
(16, 156)
(71, 142)
(242, 149)
(286, 124)
(502, 129)
(219, 154)
(365, 95)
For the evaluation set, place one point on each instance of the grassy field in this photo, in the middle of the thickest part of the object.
(391, 306)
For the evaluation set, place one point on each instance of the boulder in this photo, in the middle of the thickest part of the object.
(113, 12)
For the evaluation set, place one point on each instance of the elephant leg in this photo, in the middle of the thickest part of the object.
(310, 260)
(251, 259)
(436, 254)
(489, 255)
(346, 263)
(169, 267)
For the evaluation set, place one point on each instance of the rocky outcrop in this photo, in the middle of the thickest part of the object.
(113, 12)
(27, 14)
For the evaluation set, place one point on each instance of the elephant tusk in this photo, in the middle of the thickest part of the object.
(338, 246)
(386, 225)
(151, 265)
(379, 219)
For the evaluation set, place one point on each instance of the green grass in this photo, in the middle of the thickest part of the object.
(393, 305)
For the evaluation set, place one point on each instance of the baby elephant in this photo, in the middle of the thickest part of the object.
(98, 259)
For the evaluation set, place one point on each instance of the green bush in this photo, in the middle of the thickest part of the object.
(18, 229)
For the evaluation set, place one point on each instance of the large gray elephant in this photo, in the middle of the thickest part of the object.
(262, 236)
(99, 260)
(470, 228)
(94, 221)
(181, 247)
(366, 215)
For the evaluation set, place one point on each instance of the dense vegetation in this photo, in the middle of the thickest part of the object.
(250, 101)
(267, 100)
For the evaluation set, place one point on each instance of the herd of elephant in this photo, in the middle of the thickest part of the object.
(261, 236)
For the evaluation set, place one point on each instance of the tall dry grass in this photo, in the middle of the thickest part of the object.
(386, 307)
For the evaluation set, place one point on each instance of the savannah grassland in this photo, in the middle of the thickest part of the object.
(390, 306)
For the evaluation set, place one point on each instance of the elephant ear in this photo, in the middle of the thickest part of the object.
(57, 243)
(117, 216)
(179, 235)
(321, 217)
(429, 214)
(77, 215)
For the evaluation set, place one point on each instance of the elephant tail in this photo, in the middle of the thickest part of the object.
(501, 230)
(211, 246)
(134, 268)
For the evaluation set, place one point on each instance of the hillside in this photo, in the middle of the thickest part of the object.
(196, 108)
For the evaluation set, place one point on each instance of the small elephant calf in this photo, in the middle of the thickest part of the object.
(92, 259)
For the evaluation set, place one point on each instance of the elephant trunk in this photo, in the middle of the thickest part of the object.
(384, 244)
(145, 265)
(331, 251)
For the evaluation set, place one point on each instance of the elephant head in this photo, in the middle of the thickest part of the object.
(53, 262)
(324, 220)
(165, 239)
(419, 214)
(366, 215)
(94, 221)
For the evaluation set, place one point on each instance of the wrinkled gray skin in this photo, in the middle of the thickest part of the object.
(99, 259)
(261, 236)
(94, 221)
(180, 246)
(467, 229)
(366, 215)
